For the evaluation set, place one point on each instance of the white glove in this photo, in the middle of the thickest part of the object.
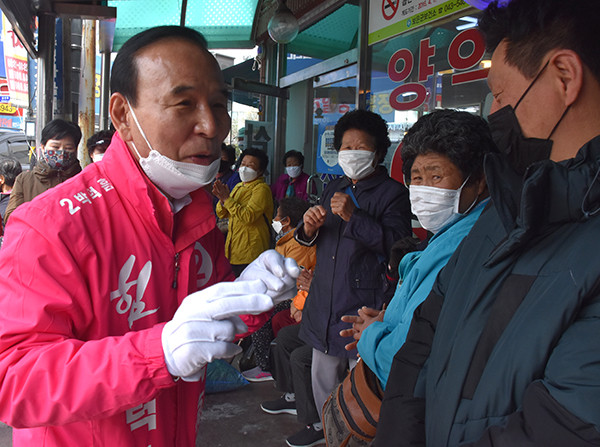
(278, 273)
(206, 323)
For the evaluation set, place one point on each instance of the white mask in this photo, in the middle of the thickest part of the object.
(97, 157)
(436, 207)
(293, 171)
(356, 164)
(175, 178)
(247, 174)
(277, 226)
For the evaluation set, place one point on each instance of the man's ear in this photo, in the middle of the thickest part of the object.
(119, 115)
(568, 68)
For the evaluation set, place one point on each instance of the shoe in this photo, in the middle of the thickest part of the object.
(307, 437)
(285, 404)
(257, 375)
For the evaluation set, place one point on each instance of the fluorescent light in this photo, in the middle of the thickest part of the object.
(471, 23)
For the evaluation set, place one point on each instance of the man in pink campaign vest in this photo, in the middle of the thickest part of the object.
(116, 291)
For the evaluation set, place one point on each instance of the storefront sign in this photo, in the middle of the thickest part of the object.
(327, 156)
(15, 122)
(15, 60)
(7, 109)
(388, 18)
(259, 135)
(402, 63)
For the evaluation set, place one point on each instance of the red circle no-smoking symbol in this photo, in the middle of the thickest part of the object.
(389, 8)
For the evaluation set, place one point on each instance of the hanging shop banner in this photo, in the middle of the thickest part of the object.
(388, 18)
(260, 135)
(15, 60)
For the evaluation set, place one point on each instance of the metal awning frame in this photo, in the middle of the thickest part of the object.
(24, 15)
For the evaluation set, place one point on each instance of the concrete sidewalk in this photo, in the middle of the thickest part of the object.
(235, 419)
(5, 435)
(232, 419)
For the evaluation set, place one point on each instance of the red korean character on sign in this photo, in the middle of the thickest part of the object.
(459, 62)
(405, 59)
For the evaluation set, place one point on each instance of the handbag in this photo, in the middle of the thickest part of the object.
(352, 409)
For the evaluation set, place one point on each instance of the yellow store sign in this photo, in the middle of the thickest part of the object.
(7, 108)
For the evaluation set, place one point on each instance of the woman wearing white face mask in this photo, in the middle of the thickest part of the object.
(442, 157)
(286, 313)
(359, 218)
(249, 207)
(292, 183)
(98, 143)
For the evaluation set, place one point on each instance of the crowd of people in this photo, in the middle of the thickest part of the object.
(169, 251)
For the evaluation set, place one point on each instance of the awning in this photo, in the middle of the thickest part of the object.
(243, 71)
(224, 24)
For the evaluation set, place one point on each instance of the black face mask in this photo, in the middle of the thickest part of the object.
(508, 136)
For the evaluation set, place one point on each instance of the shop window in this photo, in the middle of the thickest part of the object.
(435, 66)
(298, 62)
(334, 95)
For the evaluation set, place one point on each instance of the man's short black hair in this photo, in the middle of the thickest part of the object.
(367, 121)
(263, 158)
(461, 136)
(101, 138)
(124, 76)
(58, 129)
(10, 168)
(296, 154)
(534, 27)
(229, 151)
(294, 208)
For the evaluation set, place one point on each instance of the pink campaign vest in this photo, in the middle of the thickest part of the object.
(91, 271)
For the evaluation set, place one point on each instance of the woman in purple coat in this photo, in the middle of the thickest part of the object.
(293, 182)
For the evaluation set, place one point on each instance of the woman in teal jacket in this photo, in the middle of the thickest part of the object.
(442, 157)
(418, 270)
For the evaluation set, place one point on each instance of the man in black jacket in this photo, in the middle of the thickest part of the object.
(505, 350)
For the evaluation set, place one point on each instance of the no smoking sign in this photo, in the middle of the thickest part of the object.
(389, 8)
